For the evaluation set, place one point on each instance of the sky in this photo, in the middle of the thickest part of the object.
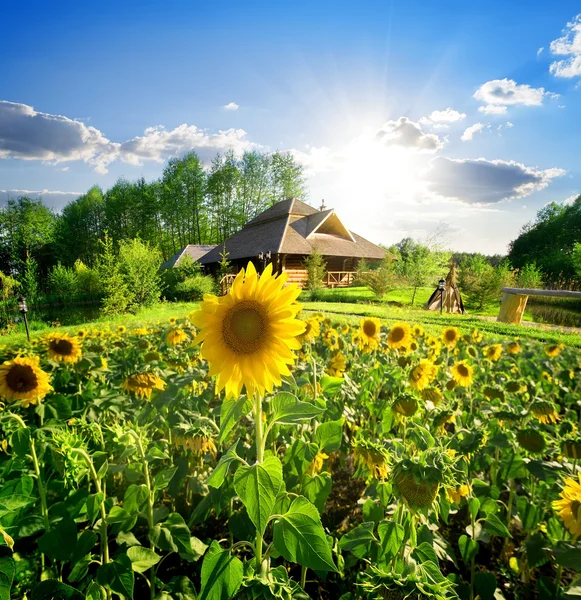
(410, 117)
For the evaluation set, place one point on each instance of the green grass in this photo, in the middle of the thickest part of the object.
(434, 323)
(159, 312)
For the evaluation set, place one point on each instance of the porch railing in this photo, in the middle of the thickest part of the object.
(335, 279)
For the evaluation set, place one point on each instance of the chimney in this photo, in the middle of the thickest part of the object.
(323, 207)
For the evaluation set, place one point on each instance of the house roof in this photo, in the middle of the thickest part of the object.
(293, 227)
(194, 251)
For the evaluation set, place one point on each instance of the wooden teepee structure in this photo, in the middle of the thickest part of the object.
(449, 298)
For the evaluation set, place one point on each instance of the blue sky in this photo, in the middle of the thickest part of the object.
(410, 117)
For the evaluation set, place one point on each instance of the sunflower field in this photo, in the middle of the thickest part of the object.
(250, 450)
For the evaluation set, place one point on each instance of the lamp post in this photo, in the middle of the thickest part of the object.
(23, 309)
(442, 288)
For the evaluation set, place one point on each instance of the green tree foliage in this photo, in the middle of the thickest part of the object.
(224, 266)
(549, 242)
(139, 267)
(117, 297)
(481, 283)
(529, 276)
(8, 289)
(316, 269)
(30, 280)
(87, 278)
(63, 281)
(381, 280)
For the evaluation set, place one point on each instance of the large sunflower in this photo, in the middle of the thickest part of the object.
(248, 335)
(399, 336)
(23, 379)
(423, 374)
(569, 506)
(450, 336)
(462, 373)
(553, 350)
(369, 333)
(63, 347)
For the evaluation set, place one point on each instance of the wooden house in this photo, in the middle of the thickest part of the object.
(287, 233)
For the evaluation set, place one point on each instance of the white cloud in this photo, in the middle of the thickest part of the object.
(448, 115)
(491, 109)
(507, 91)
(481, 181)
(571, 199)
(231, 106)
(569, 44)
(509, 124)
(53, 198)
(316, 160)
(27, 134)
(409, 134)
(540, 50)
(470, 131)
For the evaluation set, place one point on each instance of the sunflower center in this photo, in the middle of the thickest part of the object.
(245, 327)
(450, 335)
(369, 328)
(397, 334)
(21, 378)
(575, 506)
(463, 370)
(63, 347)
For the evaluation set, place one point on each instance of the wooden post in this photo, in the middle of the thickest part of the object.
(512, 307)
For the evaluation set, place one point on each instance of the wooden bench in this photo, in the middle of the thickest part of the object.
(514, 302)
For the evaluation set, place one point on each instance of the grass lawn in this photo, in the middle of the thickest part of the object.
(434, 322)
(159, 312)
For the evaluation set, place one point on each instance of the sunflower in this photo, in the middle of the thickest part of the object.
(553, 350)
(345, 329)
(434, 395)
(571, 448)
(22, 379)
(462, 373)
(455, 495)
(423, 374)
(369, 333)
(450, 336)
(337, 365)
(248, 335)
(63, 347)
(81, 333)
(140, 331)
(121, 329)
(331, 339)
(532, 440)
(544, 411)
(176, 336)
(569, 506)
(493, 352)
(406, 405)
(374, 459)
(545, 376)
(172, 320)
(399, 336)
(514, 348)
(143, 384)
(316, 465)
(476, 336)
(418, 331)
(312, 330)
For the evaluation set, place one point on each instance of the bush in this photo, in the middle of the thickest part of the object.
(63, 281)
(87, 278)
(529, 276)
(139, 266)
(381, 280)
(194, 288)
(316, 269)
(481, 283)
(117, 297)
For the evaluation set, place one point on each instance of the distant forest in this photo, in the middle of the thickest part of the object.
(189, 204)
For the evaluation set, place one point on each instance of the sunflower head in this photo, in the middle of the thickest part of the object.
(450, 336)
(423, 374)
(531, 440)
(399, 336)
(372, 457)
(143, 384)
(369, 331)
(514, 348)
(569, 506)
(406, 405)
(462, 373)
(248, 335)
(552, 350)
(418, 331)
(312, 330)
(175, 336)
(493, 352)
(63, 348)
(337, 365)
(22, 379)
(418, 479)
(571, 448)
(476, 336)
(433, 394)
(544, 411)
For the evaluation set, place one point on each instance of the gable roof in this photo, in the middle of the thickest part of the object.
(293, 227)
(194, 251)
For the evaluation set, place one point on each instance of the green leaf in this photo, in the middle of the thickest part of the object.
(126, 537)
(300, 538)
(96, 592)
(468, 548)
(222, 469)
(94, 506)
(495, 526)
(221, 574)
(59, 543)
(174, 536)
(473, 507)
(424, 552)
(287, 409)
(84, 545)
(372, 511)
(258, 486)
(142, 558)
(329, 435)
(485, 584)
(331, 385)
(102, 472)
(567, 555)
(232, 411)
(7, 571)
(52, 589)
(536, 550)
(317, 489)
(20, 442)
(135, 496)
(359, 540)
(391, 536)
(117, 576)
(162, 479)
(529, 513)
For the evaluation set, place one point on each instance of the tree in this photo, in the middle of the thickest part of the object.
(63, 281)
(30, 281)
(481, 283)
(316, 269)
(381, 280)
(287, 178)
(116, 294)
(529, 276)
(139, 268)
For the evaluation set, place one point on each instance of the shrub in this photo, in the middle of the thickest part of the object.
(194, 288)
(316, 269)
(481, 283)
(529, 276)
(30, 285)
(117, 297)
(381, 280)
(63, 281)
(88, 279)
(139, 266)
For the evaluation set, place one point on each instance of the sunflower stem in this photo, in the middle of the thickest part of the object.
(259, 459)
